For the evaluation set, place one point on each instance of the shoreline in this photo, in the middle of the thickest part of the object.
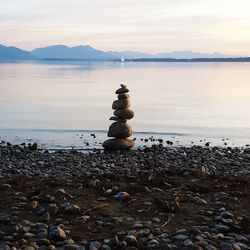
(127, 60)
(87, 140)
(149, 198)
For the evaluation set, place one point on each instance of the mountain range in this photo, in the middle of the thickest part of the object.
(13, 53)
(86, 52)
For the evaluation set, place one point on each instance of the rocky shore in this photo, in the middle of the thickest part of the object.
(149, 198)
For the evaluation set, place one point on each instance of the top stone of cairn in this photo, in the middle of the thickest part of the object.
(122, 90)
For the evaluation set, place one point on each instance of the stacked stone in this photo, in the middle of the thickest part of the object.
(120, 129)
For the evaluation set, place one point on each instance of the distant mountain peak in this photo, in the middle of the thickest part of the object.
(57, 46)
(83, 46)
(87, 52)
(80, 52)
(13, 53)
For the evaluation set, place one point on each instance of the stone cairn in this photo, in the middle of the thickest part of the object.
(120, 129)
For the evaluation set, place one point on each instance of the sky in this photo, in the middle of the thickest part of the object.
(152, 26)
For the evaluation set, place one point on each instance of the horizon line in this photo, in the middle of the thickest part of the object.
(127, 50)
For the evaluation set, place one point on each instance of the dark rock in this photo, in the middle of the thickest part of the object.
(71, 247)
(124, 113)
(34, 204)
(106, 247)
(123, 96)
(165, 206)
(131, 240)
(95, 245)
(180, 237)
(72, 209)
(4, 218)
(33, 146)
(52, 209)
(121, 91)
(152, 244)
(221, 228)
(121, 104)
(6, 187)
(137, 226)
(118, 144)
(120, 130)
(115, 118)
(45, 217)
(57, 234)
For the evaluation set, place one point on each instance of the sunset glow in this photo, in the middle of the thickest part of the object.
(152, 26)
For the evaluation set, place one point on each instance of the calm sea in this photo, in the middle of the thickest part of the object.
(62, 103)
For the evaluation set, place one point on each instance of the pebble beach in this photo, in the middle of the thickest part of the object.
(124, 125)
(157, 197)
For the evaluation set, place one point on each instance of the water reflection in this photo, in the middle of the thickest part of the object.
(204, 98)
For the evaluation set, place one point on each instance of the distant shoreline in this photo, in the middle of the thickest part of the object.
(239, 59)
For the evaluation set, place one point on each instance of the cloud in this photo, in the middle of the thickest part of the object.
(147, 25)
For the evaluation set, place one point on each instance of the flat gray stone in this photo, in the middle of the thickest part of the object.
(181, 237)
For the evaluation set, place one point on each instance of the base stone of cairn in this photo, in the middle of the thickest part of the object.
(117, 143)
(120, 129)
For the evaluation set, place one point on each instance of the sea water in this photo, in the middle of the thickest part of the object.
(60, 104)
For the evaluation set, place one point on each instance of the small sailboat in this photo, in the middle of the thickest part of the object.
(122, 59)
